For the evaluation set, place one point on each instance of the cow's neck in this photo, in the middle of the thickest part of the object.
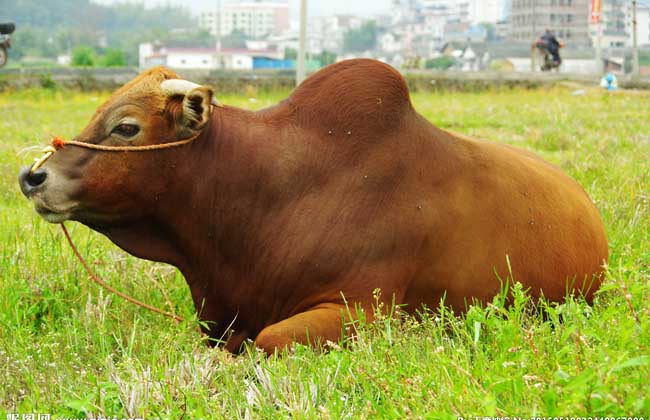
(227, 191)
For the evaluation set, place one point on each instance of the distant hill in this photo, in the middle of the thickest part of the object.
(49, 28)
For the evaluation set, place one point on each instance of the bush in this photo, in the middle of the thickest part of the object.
(83, 56)
(113, 58)
(47, 82)
(440, 63)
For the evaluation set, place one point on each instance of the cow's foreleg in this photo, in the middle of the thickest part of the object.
(315, 326)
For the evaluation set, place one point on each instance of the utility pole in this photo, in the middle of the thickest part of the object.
(217, 25)
(635, 42)
(599, 46)
(535, 18)
(597, 20)
(533, 49)
(301, 71)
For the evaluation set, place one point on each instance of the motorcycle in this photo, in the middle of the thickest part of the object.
(548, 63)
(6, 29)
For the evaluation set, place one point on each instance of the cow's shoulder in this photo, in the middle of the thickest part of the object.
(355, 96)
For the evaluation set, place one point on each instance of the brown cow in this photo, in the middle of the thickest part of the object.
(276, 218)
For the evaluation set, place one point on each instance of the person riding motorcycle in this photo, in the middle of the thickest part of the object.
(552, 45)
(6, 29)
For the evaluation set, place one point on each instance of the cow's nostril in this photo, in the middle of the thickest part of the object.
(30, 181)
(36, 178)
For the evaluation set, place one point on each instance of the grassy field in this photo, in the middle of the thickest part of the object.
(69, 349)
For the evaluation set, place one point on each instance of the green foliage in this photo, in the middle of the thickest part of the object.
(47, 82)
(237, 39)
(34, 42)
(70, 349)
(491, 31)
(54, 27)
(192, 38)
(112, 58)
(326, 58)
(83, 56)
(323, 59)
(362, 39)
(290, 54)
(440, 63)
(644, 57)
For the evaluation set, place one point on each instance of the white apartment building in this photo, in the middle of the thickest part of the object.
(485, 11)
(332, 29)
(474, 11)
(643, 24)
(254, 19)
(454, 10)
(616, 24)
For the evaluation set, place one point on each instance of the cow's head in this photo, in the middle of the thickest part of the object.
(102, 188)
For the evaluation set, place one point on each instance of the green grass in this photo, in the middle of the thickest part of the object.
(69, 349)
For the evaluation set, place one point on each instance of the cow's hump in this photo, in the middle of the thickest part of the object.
(361, 97)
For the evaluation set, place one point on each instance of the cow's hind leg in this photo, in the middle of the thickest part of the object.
(315, 326)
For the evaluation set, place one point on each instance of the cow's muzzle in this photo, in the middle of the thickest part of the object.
(30, 182)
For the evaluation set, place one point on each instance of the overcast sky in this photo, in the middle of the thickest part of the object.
(315, 7)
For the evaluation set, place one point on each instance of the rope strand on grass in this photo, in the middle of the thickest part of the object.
(111, 289)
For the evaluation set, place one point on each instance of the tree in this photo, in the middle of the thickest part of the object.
(54, 27)
(83, 56)
(440, 63)
(491, 31)
(189, 38)
(113, 58)
(290, 54)
(237, 39)
(362, 39)
(326, 58)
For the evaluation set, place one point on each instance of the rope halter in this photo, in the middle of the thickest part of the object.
(169, 87)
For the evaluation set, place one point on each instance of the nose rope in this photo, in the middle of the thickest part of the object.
(58, 143)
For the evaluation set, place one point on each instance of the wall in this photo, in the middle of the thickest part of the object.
(242, 82)
(190, 61)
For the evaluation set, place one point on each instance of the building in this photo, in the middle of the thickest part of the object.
(615, 26)
(210, 59)
(254, 19)
(502, 29)
(643, 24)
(290, 40)
(485, 11)
(567, 19)
(332, 29)
(506, 10)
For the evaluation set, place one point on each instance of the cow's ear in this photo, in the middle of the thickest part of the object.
(197, 106)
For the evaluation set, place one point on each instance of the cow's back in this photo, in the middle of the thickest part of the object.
(357, 98)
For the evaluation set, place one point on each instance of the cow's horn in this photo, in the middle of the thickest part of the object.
(182, 87)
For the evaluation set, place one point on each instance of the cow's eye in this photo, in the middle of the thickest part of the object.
(126, 130)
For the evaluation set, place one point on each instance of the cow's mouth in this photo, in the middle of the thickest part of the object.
(52, 216)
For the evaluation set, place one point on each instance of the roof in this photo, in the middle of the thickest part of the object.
(213, 51)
